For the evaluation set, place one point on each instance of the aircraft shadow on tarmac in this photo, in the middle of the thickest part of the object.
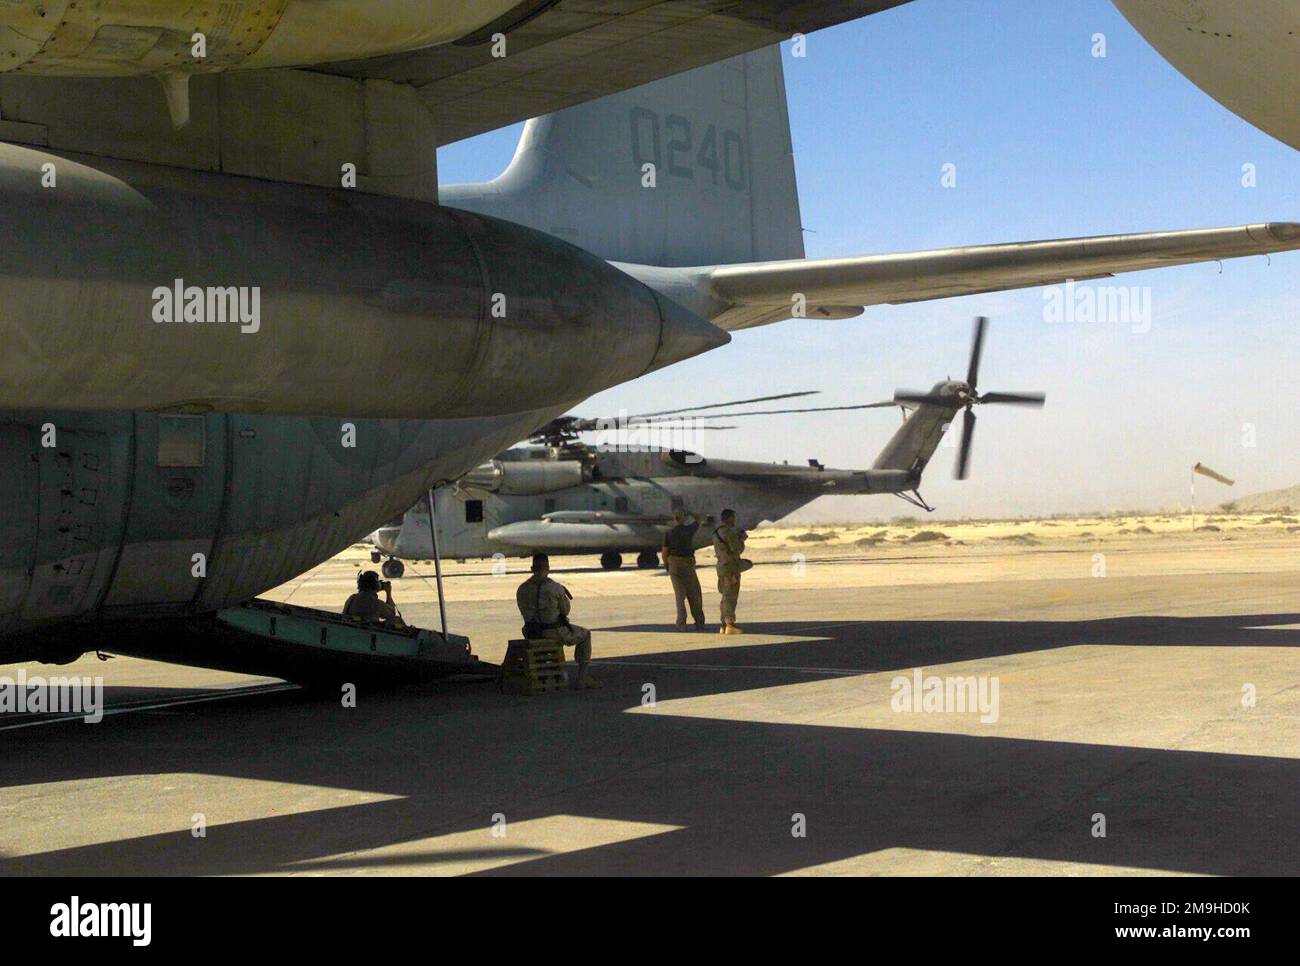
(727, 788)
(875, 646)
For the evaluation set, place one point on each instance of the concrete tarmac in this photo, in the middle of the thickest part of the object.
(1158, 703)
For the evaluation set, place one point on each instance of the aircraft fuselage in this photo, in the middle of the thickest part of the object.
(625, 505)
(112, 518)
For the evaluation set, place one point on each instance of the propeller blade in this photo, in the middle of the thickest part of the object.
(976, 350)
(734, 402)
(1016, 398)
(967, 434)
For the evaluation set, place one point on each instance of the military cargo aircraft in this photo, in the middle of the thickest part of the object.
(241, 331)
(1243, 53)
(559, 496)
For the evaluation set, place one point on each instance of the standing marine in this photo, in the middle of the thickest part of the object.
(728, 545)
(679, 558)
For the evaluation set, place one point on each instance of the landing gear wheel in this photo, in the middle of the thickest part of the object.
(392, 569)
(376, 556)
(647, 560)
(610, 560)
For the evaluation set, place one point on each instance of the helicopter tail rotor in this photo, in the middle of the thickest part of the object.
(971, 397)
(964, 396)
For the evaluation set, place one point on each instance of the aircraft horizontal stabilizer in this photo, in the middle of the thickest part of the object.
(745, 295)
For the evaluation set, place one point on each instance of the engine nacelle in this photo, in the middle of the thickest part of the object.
(510, 478)
(186, 291)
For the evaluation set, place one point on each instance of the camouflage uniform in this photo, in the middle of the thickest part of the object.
(546, 601)
(728, 544)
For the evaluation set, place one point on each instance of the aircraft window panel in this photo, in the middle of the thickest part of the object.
(473, 511)
(620, 504)
(181, 441)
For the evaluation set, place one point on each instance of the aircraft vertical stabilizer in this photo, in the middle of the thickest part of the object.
(697, 169)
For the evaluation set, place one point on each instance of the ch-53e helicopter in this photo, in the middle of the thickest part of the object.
(558, 495)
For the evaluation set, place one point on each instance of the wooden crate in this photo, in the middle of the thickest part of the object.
(533, 667)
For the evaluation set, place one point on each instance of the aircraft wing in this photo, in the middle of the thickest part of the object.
(385, 116)
(567, 52)
(742, 296)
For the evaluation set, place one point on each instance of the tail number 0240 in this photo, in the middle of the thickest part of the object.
(725, 162)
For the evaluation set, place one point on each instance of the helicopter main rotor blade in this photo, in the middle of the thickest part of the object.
(555, 428)
(638, 423)
(574, 424)
(967, 434)
(976, 351)
(1015, 398)
(734, 402)
(925, 398)
(814, 409)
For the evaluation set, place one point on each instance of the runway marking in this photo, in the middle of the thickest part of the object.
(838, 671)
(149, 704)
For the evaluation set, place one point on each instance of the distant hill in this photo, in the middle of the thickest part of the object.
(1287, 500)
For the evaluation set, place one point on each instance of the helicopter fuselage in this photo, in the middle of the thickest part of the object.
(623, 501)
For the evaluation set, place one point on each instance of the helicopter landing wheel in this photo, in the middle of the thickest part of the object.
(392, 569)
(647, 560)
(610, 560)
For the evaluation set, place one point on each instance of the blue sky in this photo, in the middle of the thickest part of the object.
(1048, 142)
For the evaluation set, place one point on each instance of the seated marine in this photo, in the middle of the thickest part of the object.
(544, 605)
(365, 603)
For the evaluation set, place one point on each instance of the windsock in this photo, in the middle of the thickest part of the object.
(1206, 471)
